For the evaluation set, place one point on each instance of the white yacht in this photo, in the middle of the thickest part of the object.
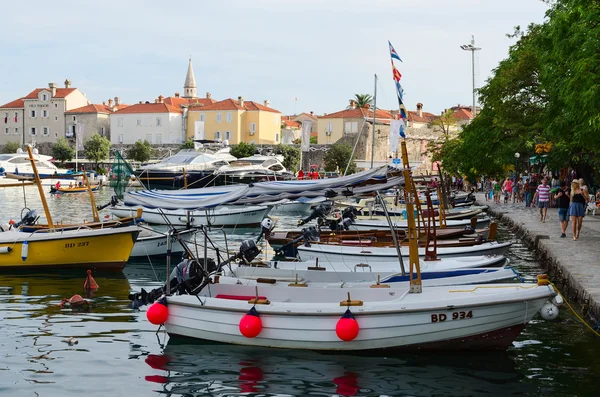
(256, 168)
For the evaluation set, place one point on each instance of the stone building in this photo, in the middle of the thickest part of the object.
(91, 119)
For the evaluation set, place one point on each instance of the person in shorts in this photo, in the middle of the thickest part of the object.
(542, 193)
(563, 200)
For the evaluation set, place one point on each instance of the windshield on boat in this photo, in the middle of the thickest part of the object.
(5, 157)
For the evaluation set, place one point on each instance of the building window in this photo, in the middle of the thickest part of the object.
(120, 122)
(55, 118)
(32, 131)
(276, 137)
(217, 135)
(227, 135)
(102, 131)
(56, 134)
(149, 138)
(120, 138)
(74, 118)
(228, 117)
(219, 117)
(6, 131)
(158, 138)
(32, 113)
(139, 122)
(351, 126)
(253, 127)
(16, 130)
(202, 116)
(158, 122)
(16, 116)
(44, 97)
(330, 127)
(45, 131)
(44, 113)
(56, 105)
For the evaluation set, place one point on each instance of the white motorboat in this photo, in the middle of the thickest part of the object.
(18, 163)
(378, 224)
(339, 253)
(292, 207)
(339, 279)
(252, 169)
(153, 243)
(364, 264)
(250, 215)
(477, 317)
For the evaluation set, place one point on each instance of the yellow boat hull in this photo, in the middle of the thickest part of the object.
(90, 249)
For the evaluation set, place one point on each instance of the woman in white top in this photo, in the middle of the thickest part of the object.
(584, 190)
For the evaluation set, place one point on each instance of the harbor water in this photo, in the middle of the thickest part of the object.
(112, 350)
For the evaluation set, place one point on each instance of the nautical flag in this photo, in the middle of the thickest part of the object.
(401, 131)
(393, 52)
(306, 129)
(399, 92)
(396, 74)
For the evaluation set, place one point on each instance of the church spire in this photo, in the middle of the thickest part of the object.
(189, 87)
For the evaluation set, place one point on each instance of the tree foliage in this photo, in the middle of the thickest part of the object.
(140, 151)
(337, 158)
(96, 149)
(291, 157)
(62, 151)
(445, 123)
(10, 147)
(362, 100)
(243, 149)
(189, 144)
(544, 94)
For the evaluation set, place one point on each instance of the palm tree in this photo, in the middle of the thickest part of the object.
(362, 100)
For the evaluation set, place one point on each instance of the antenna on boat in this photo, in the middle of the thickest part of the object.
(39, 186)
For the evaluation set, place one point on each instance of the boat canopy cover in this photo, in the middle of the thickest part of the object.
(261, 192)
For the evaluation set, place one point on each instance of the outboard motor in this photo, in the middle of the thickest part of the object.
(265, 229)
(113, 202)
(311, 235)
(28, 220)
(248, 251)
(320, 211)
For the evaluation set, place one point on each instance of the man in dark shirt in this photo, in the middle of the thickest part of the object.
(563, 199)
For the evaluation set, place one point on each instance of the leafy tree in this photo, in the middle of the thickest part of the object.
(10, 147)
(337, 158)
(243, 149)
(291, 157)
(314, 140)
(189, 144)
(446, 122)
(62, 151)
(140, 151)
(362, 100)
(96, 148)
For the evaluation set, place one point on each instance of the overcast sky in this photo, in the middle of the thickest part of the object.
(319, 51)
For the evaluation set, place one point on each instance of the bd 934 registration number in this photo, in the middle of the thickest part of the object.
(441, 317)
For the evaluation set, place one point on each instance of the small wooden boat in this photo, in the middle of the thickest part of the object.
(76, 189)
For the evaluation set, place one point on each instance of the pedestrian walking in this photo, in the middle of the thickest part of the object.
(497, 188)
(577, 208)
(526, 193)
(563, 201)
(542, 193)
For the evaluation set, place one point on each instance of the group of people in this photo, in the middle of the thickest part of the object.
(517, 190)
(571, 204)
(308, 175)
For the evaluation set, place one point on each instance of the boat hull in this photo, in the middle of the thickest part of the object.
(366, 224)
(156, 245)
(85, 249)
(339, 253)
(441, 318)
(227, 216)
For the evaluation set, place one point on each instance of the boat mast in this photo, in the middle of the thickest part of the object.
(38, 182)
(95, 214)
(374, 114)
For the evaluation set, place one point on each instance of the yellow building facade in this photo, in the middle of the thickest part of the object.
(236, 121)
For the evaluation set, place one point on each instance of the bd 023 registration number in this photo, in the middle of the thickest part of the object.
(79, 244)
(441, 317)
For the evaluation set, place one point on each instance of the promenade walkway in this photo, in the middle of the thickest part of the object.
(574, 266)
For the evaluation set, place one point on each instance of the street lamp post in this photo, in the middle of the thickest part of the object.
(517, 155)
(471, 47)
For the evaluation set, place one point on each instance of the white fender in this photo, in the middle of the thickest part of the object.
(5, 250)
(24, 250)
(549, 311)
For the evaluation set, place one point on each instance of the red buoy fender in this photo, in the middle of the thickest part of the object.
(250, 324)
(347, 328)
(158, 312)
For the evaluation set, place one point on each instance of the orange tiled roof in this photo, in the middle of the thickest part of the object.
(175, 101)
(150, 108)
(358, 113)
(291, 124)
(231, 104)
(60, 92)
(463, 114)
(425, 118)
(16, 104)
(93, 108)
(312, 116)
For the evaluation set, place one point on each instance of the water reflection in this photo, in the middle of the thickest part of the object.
(189, 369)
